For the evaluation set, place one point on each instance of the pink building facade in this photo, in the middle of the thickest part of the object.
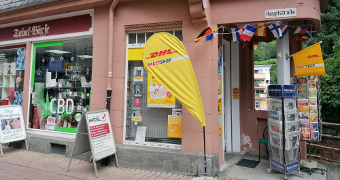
(97, 45)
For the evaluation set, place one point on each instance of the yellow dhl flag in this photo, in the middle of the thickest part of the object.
(165, 57)
(309, 61)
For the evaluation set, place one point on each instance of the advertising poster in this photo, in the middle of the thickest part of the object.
(158, 96)
(219, 88)
(21, 56)
(219, 60)
(100, 134)
(219, 108)
(138, 74)
(219, 124)
(136, 114)
(12, 124)
(236, 93)
(175, 126)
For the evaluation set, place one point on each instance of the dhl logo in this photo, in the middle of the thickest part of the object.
(161, 53)
(313, 56)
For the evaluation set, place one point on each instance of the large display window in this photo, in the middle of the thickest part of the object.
(152, 113)
(61, 84)
(12, 66)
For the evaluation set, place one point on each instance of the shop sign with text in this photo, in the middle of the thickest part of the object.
(74, 24)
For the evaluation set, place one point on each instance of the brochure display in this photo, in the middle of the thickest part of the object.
(12, 125)
(283, 126)
(94, 134)
(309, 110)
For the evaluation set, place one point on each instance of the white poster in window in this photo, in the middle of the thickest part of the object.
(140, 134)
(158, 96)
(12, 124)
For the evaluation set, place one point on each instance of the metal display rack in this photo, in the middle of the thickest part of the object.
(283, 127)
(309, 109)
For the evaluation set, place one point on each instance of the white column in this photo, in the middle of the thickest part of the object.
(283, 64)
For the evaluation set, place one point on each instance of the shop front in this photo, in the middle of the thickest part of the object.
(74, 57)
(46, 67)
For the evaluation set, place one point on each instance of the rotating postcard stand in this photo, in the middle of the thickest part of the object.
(309, 109)
(283, 128)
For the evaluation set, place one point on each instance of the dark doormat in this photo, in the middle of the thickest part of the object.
(248, 163)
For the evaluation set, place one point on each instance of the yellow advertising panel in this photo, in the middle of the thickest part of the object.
(158, 96)
(165, 57)
(219, 129)
(135, 54)
(175, 126)
(309, 61)
(219, 87)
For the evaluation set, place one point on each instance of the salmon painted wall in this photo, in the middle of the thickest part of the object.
(202, 55)
(244, 11)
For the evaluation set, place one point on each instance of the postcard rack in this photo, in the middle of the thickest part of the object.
(309, 110)
(283, 128)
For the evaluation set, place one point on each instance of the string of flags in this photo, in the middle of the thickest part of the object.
(246, 32)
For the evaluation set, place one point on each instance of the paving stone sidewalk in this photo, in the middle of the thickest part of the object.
(18, 164)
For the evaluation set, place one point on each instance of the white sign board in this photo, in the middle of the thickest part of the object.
(12, 124)
(100, 134)
(280, 13)
(94, 134)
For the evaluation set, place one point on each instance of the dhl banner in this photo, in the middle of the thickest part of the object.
(158, 96)
(309, 61)
(175, 126)
(165, 57)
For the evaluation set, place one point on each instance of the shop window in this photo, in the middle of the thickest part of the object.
(152, 113)
(12, 66)
(61, 82)
(142, 37)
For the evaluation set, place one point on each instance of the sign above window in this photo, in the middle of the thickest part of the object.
(73, 24)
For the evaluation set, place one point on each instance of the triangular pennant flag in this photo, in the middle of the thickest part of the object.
(310, 33)
(275, 29)
(301, 29)
(261, 29)
(165, 57)
(248, 33)
(284, 30)
(300, 39)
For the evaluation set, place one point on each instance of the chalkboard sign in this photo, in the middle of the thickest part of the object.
(95, 134)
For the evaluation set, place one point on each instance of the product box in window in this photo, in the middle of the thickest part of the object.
(36, 118)
(4, 102)
(11, 93)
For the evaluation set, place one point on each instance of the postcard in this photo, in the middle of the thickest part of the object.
(302, 95)
(314, 126)
(302, 88)
(313, 109)
(312, 101)
(312, 84)
(302, 102)
(304, 123)
(302, 81)
(313, 117)
(303, 115)
(312, 93)
(315, 135)
(303, 108)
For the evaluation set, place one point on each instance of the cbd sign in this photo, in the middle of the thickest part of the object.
(61, 107)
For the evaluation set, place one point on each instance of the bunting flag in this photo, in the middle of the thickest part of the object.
(254, 44)
(165, 57)
(207, 32)
(241, 30)
(284, 30)
(310, 33)
(300, 39)
(261, 29)
(248, 33)
(235, 34)
(275, 29)
(309, 61)
(301, 29)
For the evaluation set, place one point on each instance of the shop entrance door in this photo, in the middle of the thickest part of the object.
(231, 99)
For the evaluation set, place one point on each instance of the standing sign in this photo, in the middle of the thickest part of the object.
(12, 125)
(95, 134)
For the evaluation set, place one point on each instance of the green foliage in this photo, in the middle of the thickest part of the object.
(265, 51)
(330, 29)
(330, 87)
